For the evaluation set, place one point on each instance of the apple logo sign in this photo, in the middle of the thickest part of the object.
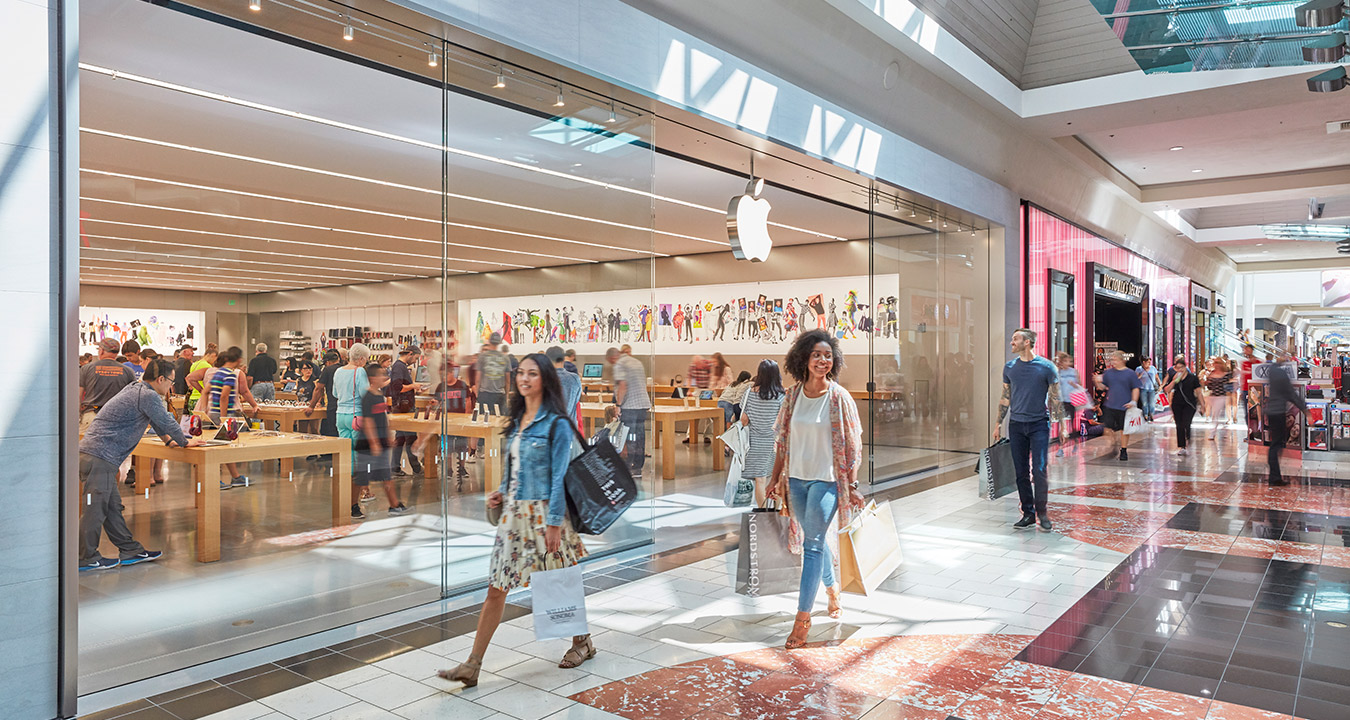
(748, 224)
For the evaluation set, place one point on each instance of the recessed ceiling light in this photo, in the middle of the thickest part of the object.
(1197, 170)
(1175, 148)
(255, 5)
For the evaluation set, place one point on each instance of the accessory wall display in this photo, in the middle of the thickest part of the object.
(162, 330)
(731, 318)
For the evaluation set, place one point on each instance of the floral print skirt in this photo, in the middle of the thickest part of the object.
(520, 548)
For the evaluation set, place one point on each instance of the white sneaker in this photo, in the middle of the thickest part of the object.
(1183, 452)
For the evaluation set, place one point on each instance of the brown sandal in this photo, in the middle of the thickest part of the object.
(835, 609)
(466, 672)
(578, 654)
(803, 621)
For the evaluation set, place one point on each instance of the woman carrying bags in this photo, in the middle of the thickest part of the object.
(1186, 401)
(817, 455)
(533, 533)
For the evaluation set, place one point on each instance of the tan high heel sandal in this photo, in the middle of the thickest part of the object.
(466, 672)
(803, 621)
(835, 608)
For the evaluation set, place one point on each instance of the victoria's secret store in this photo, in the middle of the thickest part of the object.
(1086, 296)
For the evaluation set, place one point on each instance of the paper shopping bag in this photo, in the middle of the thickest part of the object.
(559, 600)
(765, 564)
(869, 550)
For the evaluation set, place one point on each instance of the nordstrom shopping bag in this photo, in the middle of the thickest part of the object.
(599, 488)
(1134, 421)
(559, 601)
(765, 564)
(995, 468)
(869, 550)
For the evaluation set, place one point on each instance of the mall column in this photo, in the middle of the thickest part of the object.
(39, 290)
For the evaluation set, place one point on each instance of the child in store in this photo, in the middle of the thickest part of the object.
(452, 396)
(376, 440)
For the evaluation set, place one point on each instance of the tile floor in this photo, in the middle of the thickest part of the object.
(1170, 588)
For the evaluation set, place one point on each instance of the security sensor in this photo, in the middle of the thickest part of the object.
(1315, 209)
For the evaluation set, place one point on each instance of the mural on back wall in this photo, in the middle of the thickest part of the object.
(163, 330)
(741, 318)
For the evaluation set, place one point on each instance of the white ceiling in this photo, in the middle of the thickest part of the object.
(186, 191)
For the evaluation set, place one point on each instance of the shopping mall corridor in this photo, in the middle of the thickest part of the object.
(1171, 587)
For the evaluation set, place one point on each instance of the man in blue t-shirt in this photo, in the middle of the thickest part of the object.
(1031, 395)
(1122, 388)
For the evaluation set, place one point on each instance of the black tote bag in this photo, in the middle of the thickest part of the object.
(599, 487)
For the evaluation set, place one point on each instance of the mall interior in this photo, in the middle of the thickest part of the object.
(283, 185)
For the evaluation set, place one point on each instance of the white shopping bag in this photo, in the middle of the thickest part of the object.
(559, 601)
(1134, 421)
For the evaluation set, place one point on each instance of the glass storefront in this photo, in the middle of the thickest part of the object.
(313, 178)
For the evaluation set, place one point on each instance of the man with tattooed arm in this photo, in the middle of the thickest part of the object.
(1031, 395)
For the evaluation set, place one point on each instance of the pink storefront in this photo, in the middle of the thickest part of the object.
(1084, 295)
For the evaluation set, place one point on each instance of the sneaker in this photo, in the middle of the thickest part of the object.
(399, 509)
(398, 473)
(240, 481)
(462, 472)
(1183, 452)
(1027, 521)
(707, 441)
(1124, 455)
(367, 496)
(100, 564)
(225, 485)
(357, 514)
(1059, 452)
(145, 556)
(1045, 524)
(131, 477)
(416, 468)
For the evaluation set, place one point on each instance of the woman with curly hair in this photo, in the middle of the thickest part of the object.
(817, 454)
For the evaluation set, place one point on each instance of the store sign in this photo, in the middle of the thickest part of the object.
(748, 224)
(1200, 302)
(1220, 303)
(1117, 285)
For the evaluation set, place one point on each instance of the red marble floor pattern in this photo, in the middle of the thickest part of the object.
(917, 677)
(1303, 498)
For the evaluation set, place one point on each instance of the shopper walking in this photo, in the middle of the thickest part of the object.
(491, 381)
(1068, 383)
(1030, 402)
(1245, 365)
(109, 440)
(571, 384)
(630, 394)
(349, 385)
(759, 413)
(1280, 395)
(1216, 382)
(817, 454)
(1122, 387)
(1148, 392)
(534, 533)
(372, 447)
(402, 394)
(1186, 399)
(262, 372)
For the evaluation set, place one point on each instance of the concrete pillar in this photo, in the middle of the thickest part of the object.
(37, 418)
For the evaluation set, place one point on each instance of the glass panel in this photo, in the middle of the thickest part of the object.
(283, 189)
(1061, 313)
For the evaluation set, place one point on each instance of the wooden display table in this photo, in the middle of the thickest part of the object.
(288, 415)
(679, 402)
(459, 425)
(664, 418)
(206, 462)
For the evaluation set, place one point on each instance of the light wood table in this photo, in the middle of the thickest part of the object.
(206, 462)
(679, 402)
(458, 425)
(288, 415)
(664, 418)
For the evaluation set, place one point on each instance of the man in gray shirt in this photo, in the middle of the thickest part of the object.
(101, 380)
(109, 441)
(630, 392)
(1280, 394)
(492, 366)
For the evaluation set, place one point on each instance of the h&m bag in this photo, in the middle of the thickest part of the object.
(1134, 421)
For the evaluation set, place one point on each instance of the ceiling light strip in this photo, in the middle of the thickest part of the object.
(172, 274)
(85, 254)
(381, 213)
(277, 240)
(287, 255)
(411, 188)
(294, 114)
(324, 229)
(121, 276)
(158, 284)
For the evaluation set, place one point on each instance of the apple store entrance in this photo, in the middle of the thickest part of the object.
(310, 192)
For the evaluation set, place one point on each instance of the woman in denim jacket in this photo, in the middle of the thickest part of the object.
(534, 532)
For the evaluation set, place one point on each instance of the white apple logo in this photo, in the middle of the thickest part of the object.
(748, 224)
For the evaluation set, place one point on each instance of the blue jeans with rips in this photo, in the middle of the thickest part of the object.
(814, 503)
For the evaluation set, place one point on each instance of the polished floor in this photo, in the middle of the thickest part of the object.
(285, 572)
(1171, 587)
